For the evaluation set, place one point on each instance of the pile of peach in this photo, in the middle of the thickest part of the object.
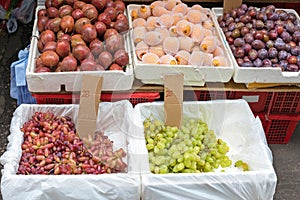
(170, 32)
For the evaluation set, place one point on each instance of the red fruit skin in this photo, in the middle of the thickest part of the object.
(115, 66)
(67, 24)
(91, 14)
(121, 26)
(47, 36)
(63, 48)
(119, 5)
(112, 24)
(78, 4)
(38, 62)
(76, 41)
(110, 3)
(42, 69)
(57, 3)
(77, 14)
(99, 68)
(81, 52)
(96, 47)
(104, 17)
(59, 34)
(80, 23)
(105, 59)
(109, 32)
(69, 63)
(88, 65)
(122, 16)
(52, 12)
(99, 4)
(50, 46)
(65, 10)
(42, 12)
(41, 23)
(53, 24)
(48, 3)
(88, 33)
(292, 60)
(49, 58)
(40, 46)
(100, 28)
(114, 43)
(70, 2)
(121, 57)
(65, 37)
(112, 12)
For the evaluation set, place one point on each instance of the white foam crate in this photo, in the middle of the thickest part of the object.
(254, 74)
(113, 80)
(233, 122)
(113, 119)
(193, 75)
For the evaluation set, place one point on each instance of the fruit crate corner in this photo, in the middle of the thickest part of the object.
(69, 98)
(278, 127)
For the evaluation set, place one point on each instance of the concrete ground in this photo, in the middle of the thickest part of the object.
(286, 156)
(286, 161)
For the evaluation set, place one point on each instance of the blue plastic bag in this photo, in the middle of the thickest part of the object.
(18, 83)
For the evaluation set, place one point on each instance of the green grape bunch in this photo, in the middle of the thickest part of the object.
(192, 148)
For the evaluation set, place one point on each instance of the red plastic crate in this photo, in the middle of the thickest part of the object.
(279, 127)
(286, 103)
(68, 98)
(259, 102)
(271, 102)
(206, 95)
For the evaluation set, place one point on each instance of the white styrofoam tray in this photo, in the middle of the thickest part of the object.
(254, 74)
(51, 82)
(193, 75)
(113, 119)
(233, 122)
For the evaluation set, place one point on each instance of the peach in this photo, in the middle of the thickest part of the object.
(182, 57)
(168, 59)
(150, 58)
(140, 49)
(152, 38)
(171, 45)
(138, 34)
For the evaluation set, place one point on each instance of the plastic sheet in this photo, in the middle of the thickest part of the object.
(113, 118)
(23, 14)
(232, 121)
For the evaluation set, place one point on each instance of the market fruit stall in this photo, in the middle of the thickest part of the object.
(220, 148)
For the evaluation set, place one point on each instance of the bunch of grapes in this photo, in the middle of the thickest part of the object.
(192, 148)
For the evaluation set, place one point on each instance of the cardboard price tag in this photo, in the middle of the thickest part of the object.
(173, 98)
(228, 5)
(89, 105)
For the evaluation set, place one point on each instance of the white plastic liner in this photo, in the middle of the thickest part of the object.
(231, 120)
(114, 119)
